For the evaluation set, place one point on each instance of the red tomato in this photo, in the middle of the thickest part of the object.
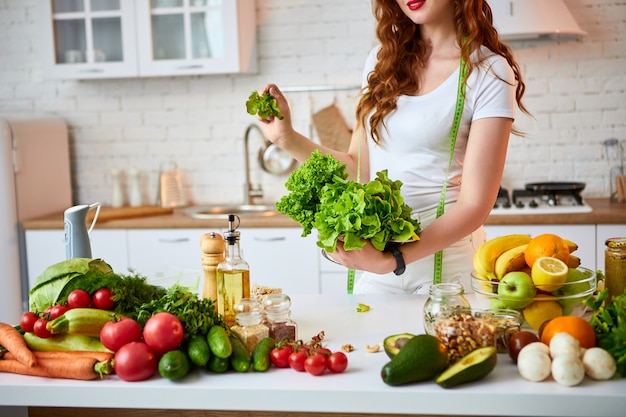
(280, 356)
(116, 334)
(296, 360)
(40, 330)
(57, 311)
(27, 321)
(78, 299)
(46, 313)
(163, 332)
(337, 362)
(103, 299)
(322, 350)
(315, 364)
(135, 361)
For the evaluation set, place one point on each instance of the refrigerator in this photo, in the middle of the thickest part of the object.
(35, 181)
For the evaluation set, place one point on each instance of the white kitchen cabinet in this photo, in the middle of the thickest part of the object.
(87, 39)
(584, 235)
(47, 247)
(91, 39)
(282, 258)
(603, 232)
(189, 37)
(152, 250)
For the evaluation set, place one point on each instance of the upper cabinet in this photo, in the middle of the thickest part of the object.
(89, 39)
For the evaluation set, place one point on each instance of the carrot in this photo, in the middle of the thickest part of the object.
(76, 368)
(100, 356)
(13, 341)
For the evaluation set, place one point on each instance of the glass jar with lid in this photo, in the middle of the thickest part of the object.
(445, 299)
(249, 327)
(277, 310)
(615, 266)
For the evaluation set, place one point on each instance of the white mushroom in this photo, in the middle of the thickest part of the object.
(564, 344)
(535, 346)
(599, 364)
(533, 365)
(568, 370)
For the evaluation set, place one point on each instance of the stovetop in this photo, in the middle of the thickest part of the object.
(523, 201)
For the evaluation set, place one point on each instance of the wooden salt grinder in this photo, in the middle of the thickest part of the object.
(213, 247)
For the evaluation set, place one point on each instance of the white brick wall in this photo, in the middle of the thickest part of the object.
(575, 91)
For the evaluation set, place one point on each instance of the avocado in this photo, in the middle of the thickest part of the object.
(422, 358)
(394, 343)
(474, 366)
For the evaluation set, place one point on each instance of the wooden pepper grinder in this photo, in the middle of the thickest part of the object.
(213, 247)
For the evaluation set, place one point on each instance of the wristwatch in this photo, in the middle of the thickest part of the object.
(401, 266)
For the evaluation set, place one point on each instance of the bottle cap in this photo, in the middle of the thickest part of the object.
(616, 242)
(248, 312)
(232, 235)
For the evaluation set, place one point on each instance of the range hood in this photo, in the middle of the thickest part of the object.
(532, 19)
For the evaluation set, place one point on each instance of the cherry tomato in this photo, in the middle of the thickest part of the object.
(322, 350)
(280, 356)
(78, 299)
(57, 311)
(337, 362)
(103, 299)
(296, 360)
(46, 313)
(116, 334)
(40, 330)
(135, 361)
(27, 321)
(163, 332)
(315, 364)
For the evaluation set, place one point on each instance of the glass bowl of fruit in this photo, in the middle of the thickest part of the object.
(538, 295)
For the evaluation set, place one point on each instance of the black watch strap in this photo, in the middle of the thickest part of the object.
(400, 265)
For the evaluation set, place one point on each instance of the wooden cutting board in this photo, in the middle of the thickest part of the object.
(117, 213)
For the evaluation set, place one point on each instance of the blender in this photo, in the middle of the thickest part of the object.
(77, 243)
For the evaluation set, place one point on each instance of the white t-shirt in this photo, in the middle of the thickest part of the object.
(415, 146)
(415, 149)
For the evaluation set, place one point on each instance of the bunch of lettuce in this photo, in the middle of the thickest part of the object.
(323, 198)
(263, 104)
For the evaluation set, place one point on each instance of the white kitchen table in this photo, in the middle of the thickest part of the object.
(358, 390)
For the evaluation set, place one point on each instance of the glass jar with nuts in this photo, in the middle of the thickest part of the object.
(464, 332)
(444, 300)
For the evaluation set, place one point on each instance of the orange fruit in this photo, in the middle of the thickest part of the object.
(546, 245)
(574, 325)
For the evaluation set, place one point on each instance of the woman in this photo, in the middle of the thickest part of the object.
(404, 123)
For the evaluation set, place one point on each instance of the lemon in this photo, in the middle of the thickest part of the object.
(540, 311)
(549, 274)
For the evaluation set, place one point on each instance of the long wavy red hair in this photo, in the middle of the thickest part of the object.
(403, 53)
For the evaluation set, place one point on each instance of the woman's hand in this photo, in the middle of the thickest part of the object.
(367, 259)
(277, 130)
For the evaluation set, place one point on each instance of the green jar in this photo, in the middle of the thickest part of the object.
(615, 266)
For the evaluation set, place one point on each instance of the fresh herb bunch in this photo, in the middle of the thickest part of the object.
(196, 314)
(263, 105)
(609, 323)
(305, 185)
(323, 198)
(132, 290)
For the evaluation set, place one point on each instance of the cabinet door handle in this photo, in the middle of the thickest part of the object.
(192, 66)
(270, 239)
(92, 71)
(174, 240)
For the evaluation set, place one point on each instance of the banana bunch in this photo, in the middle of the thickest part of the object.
(503, 254)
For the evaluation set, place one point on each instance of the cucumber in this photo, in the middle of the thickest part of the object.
(63, 342)
(219, 342)
(174, 365)
(198, 350)
(218, 365)
(240, 358)
(261, 354)
(474, 366)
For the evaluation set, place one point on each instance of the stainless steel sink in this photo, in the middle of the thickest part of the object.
(219, 211)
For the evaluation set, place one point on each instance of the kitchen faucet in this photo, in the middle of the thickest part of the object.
(249, 191)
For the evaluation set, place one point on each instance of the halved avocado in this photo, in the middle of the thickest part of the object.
(474, 366)
(394, 343)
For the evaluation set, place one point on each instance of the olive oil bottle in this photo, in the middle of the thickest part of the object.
(233, 274)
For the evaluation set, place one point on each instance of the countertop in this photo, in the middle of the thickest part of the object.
(359, 390)
(603, 212)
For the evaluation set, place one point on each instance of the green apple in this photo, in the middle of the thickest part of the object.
(497, 304)
(516, 290)
(570, 288)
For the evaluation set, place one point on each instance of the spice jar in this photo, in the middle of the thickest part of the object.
(277, 309)
(444, 300)
(249, 327)
(615, 266)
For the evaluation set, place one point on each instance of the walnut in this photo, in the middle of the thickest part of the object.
(463, 333)
(347, 347)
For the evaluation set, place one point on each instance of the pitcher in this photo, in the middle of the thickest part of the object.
(77, 243)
